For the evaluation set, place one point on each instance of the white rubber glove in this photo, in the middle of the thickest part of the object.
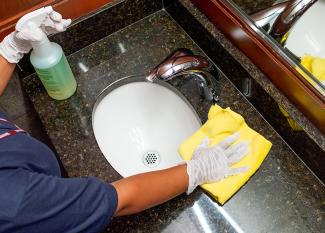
(16, 44)
(212, 164)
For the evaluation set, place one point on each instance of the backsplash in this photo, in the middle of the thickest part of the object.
(98, 26)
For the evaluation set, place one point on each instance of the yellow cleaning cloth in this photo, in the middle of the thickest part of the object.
(316, 66)
(222, 123)
(293, 124)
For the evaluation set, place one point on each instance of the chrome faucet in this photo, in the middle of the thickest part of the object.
(184, 63)
(278, 19)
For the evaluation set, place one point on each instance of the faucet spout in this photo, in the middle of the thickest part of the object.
(183, 63)
(179, 61)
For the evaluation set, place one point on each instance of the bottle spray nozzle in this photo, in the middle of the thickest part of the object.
(33, 21)
(38, 17)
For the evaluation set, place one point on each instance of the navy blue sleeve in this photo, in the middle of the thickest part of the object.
(54, 204)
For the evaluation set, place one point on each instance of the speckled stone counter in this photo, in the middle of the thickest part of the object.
(283, 195)
(246, 76)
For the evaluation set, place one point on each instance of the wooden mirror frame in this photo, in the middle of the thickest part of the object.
(68, 8)
(247, 37)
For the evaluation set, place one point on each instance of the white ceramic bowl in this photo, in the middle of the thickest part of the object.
(139, 125)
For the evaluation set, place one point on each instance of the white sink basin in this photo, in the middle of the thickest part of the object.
(139, 125)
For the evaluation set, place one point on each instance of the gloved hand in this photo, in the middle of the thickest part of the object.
(212, 164)
(16, 44)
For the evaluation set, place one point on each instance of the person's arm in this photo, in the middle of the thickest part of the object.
(145, 190)
(208, 164)
(6, 69)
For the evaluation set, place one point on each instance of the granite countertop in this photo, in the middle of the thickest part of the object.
(283, 195)
(240, 71)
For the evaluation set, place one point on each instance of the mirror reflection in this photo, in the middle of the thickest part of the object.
(295, 26)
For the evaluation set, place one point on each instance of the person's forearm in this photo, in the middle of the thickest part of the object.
(6, 69)
(146, 190)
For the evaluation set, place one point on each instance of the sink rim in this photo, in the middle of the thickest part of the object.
(139, 78)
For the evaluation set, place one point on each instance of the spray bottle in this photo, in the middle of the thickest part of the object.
(48, 59)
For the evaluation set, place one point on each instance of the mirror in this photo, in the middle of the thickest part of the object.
(291, 73)
(296, 31)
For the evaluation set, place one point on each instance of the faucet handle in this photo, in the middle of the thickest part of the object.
(180, 60)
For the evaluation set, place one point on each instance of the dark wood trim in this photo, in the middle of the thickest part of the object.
(285, 77)
(68, 8)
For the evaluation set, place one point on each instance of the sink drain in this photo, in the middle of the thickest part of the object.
(151, 159)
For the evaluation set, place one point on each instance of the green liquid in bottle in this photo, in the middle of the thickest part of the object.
(58, 80)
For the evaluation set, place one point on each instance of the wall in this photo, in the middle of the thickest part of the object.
(14, 9)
